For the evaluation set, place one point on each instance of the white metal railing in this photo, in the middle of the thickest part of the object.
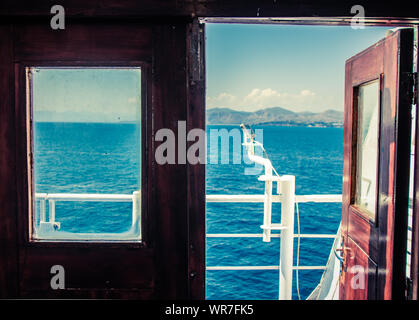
(264, 268)
(316, 198)
(213, 198)
(48, 227)
(286, 196)
(222, 198)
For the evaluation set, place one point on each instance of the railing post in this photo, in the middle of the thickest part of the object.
(135, 208)
(287, 237)
(51, 211)
(42, 210)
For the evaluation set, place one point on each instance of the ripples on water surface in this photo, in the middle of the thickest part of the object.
(100, 158)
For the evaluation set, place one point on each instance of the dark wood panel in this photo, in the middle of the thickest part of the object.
(214, 8)
(22, 174)
(299, 8)
(138, 294)
(170, 206)
(147, 158)
(102, 8)
(87, 268)
(8, 236)
(98, 42)
(158, 267)
(196, 172)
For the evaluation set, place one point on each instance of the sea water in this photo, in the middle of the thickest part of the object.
(102, 158)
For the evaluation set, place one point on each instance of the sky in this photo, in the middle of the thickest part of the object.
(300, 68)
(249, 67)
(87, 94)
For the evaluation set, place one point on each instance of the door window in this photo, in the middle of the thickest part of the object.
(367, 121)
(86, 152)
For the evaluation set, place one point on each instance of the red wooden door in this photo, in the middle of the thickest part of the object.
(376, 169)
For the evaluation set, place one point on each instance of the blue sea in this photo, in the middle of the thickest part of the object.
(102, 158)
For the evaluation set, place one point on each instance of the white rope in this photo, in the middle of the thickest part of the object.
(298, 251)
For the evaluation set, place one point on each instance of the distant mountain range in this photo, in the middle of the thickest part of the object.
(276, 116)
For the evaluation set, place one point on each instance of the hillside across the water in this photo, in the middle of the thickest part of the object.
(276, 116)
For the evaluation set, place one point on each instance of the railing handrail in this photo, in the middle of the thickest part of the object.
(272, 267)
(247, 198)
(46, 227)
(226, 198)
(212, 198)
(85, 197)
(274, 235)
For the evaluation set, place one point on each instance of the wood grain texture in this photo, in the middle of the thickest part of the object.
(382, 240)
(8, 232)
(78, 42)
(205, 8)
(196, 172)
(92, 269)
(88, 268)
(170, 206)
(361, 274)
(170, 261)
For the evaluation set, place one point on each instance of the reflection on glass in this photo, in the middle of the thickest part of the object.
(367, 148)
(87, 147)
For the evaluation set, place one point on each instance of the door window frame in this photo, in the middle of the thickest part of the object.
(354, 162)
(24, 106)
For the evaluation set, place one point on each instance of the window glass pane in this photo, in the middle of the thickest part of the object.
(367, 148)
(87, 151)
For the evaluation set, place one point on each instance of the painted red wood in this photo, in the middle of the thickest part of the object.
(361, 273)
(379, 243)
